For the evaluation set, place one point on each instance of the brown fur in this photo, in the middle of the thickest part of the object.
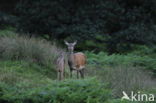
(76, 61)
(60, 67)
(80, 60)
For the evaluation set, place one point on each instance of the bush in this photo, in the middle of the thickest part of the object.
(74, 91)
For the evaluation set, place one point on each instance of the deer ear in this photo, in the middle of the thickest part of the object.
(66, 42)
(75, 42)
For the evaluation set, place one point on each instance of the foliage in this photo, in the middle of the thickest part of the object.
(142, 56)
(74, 91)
(107, 24)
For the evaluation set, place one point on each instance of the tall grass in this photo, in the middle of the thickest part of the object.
(124, 78)
(129, 79)
(31, 49)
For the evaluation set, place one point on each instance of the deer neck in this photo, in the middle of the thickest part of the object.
(71, 58)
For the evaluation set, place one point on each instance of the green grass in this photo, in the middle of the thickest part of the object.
(29, 73)
(9, 32)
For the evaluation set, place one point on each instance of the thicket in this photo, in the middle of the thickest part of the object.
(109, 25)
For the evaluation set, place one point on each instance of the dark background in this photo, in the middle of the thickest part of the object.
(115, 26)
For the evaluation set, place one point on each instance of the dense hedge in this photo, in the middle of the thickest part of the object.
(111, 25)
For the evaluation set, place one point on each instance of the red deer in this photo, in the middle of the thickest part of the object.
(60, 66)
(76, 61)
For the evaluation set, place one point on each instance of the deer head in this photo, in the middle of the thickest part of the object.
(70, 45)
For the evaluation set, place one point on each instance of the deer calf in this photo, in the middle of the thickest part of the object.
(76, 61)
(60, 66)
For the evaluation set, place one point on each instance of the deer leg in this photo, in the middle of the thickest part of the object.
(82, 73)
(62, 75)
(77, 74)
(58, 75)
(70, 73)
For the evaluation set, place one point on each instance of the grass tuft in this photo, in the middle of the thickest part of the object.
(30, 49)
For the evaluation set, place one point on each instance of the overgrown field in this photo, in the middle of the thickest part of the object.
(28, 73)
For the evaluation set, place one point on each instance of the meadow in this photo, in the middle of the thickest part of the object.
(28, 73)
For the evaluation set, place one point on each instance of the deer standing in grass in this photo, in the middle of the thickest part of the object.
(76, 61)
(60, 66)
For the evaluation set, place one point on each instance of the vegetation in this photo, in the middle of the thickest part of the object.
(25, 78)
(117, 37)
(80, 91)
(31, 49)
(24, 72)
(124, 78)
(116, 24)
(144, 58)
(132, 71)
